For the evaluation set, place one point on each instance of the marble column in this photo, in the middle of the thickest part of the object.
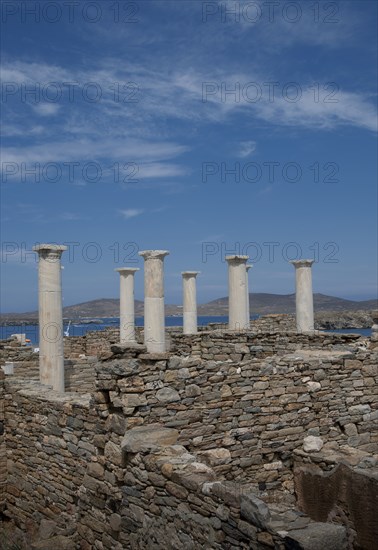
(51, 357)
(247, 268)
(127, 304)
(303, 295)
(189, 301)
(237, 307)
(154, 314)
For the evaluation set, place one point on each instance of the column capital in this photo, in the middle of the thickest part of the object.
(190, 273)
(237, 259)
(50, 249)
(127, 270)
(302, 263)
(248, 266)
(153, 254)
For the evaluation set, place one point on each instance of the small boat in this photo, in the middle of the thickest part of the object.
(67, 331)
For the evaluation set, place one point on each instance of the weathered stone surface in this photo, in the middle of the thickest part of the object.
(177, 490)
(57, 543)
(145, 438)
(130, 400)
(115, 521)
(167, 395)
(254, 510)
(113, 453)
(312, 444)
(314, 386)
(47, 528)
(245, 396)
(213, 457)
(226, 491)
(193, 390)
(193, 475)
(318, 536)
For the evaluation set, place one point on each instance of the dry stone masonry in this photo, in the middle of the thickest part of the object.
(207, 445)
(258, 435)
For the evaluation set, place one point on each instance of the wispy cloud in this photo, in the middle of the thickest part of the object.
(247, 148)
(70, 217)
(179, 95)
(131, 213)
(46, 109)
(124, 149)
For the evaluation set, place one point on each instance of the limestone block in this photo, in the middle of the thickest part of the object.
(215, 457)
(167, 395)
(318, 536)
(312, 444)
(254, 510)
(144, 438)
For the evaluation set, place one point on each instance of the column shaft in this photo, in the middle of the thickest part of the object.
(237, 307)
(247, 268)
(304, 303)
(154, 314)
(51, 357)
(189, 302)
(127, 305)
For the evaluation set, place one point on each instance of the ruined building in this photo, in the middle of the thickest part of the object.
(259, 435)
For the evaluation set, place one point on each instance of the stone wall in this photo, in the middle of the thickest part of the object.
(167, 499)
(188, 451)
(254, 413)
(49, 439)
(12, 350)
(274, 323)
(79, 371)
(75, 481)
(223, 345)
(93, 343)
(340, 486)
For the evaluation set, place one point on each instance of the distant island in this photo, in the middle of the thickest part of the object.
(330, 310)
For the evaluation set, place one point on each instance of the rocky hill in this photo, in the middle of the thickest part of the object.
(285, 303)
(260, 303)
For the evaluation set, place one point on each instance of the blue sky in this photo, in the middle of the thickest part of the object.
(182, 126)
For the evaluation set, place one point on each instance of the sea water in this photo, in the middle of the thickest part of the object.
(80, 328)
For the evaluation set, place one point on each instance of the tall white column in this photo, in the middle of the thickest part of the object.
(237, 307)
(127, 304)
(51, 357)
(154, 315)
(189, 301)
(304, 302)
(247, 268)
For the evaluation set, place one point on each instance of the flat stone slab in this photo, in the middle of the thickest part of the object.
(121, 348)
(58, 543)
(146, 438)
(318, 536)
(310, 354)
(341, 455)
(254, 510)
(155, 356)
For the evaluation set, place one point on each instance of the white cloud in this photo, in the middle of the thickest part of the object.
(124, 150)
(12, 130)
(131, 213)
(46, 109)
(247, 148)
(163, 95)
(70, 216)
